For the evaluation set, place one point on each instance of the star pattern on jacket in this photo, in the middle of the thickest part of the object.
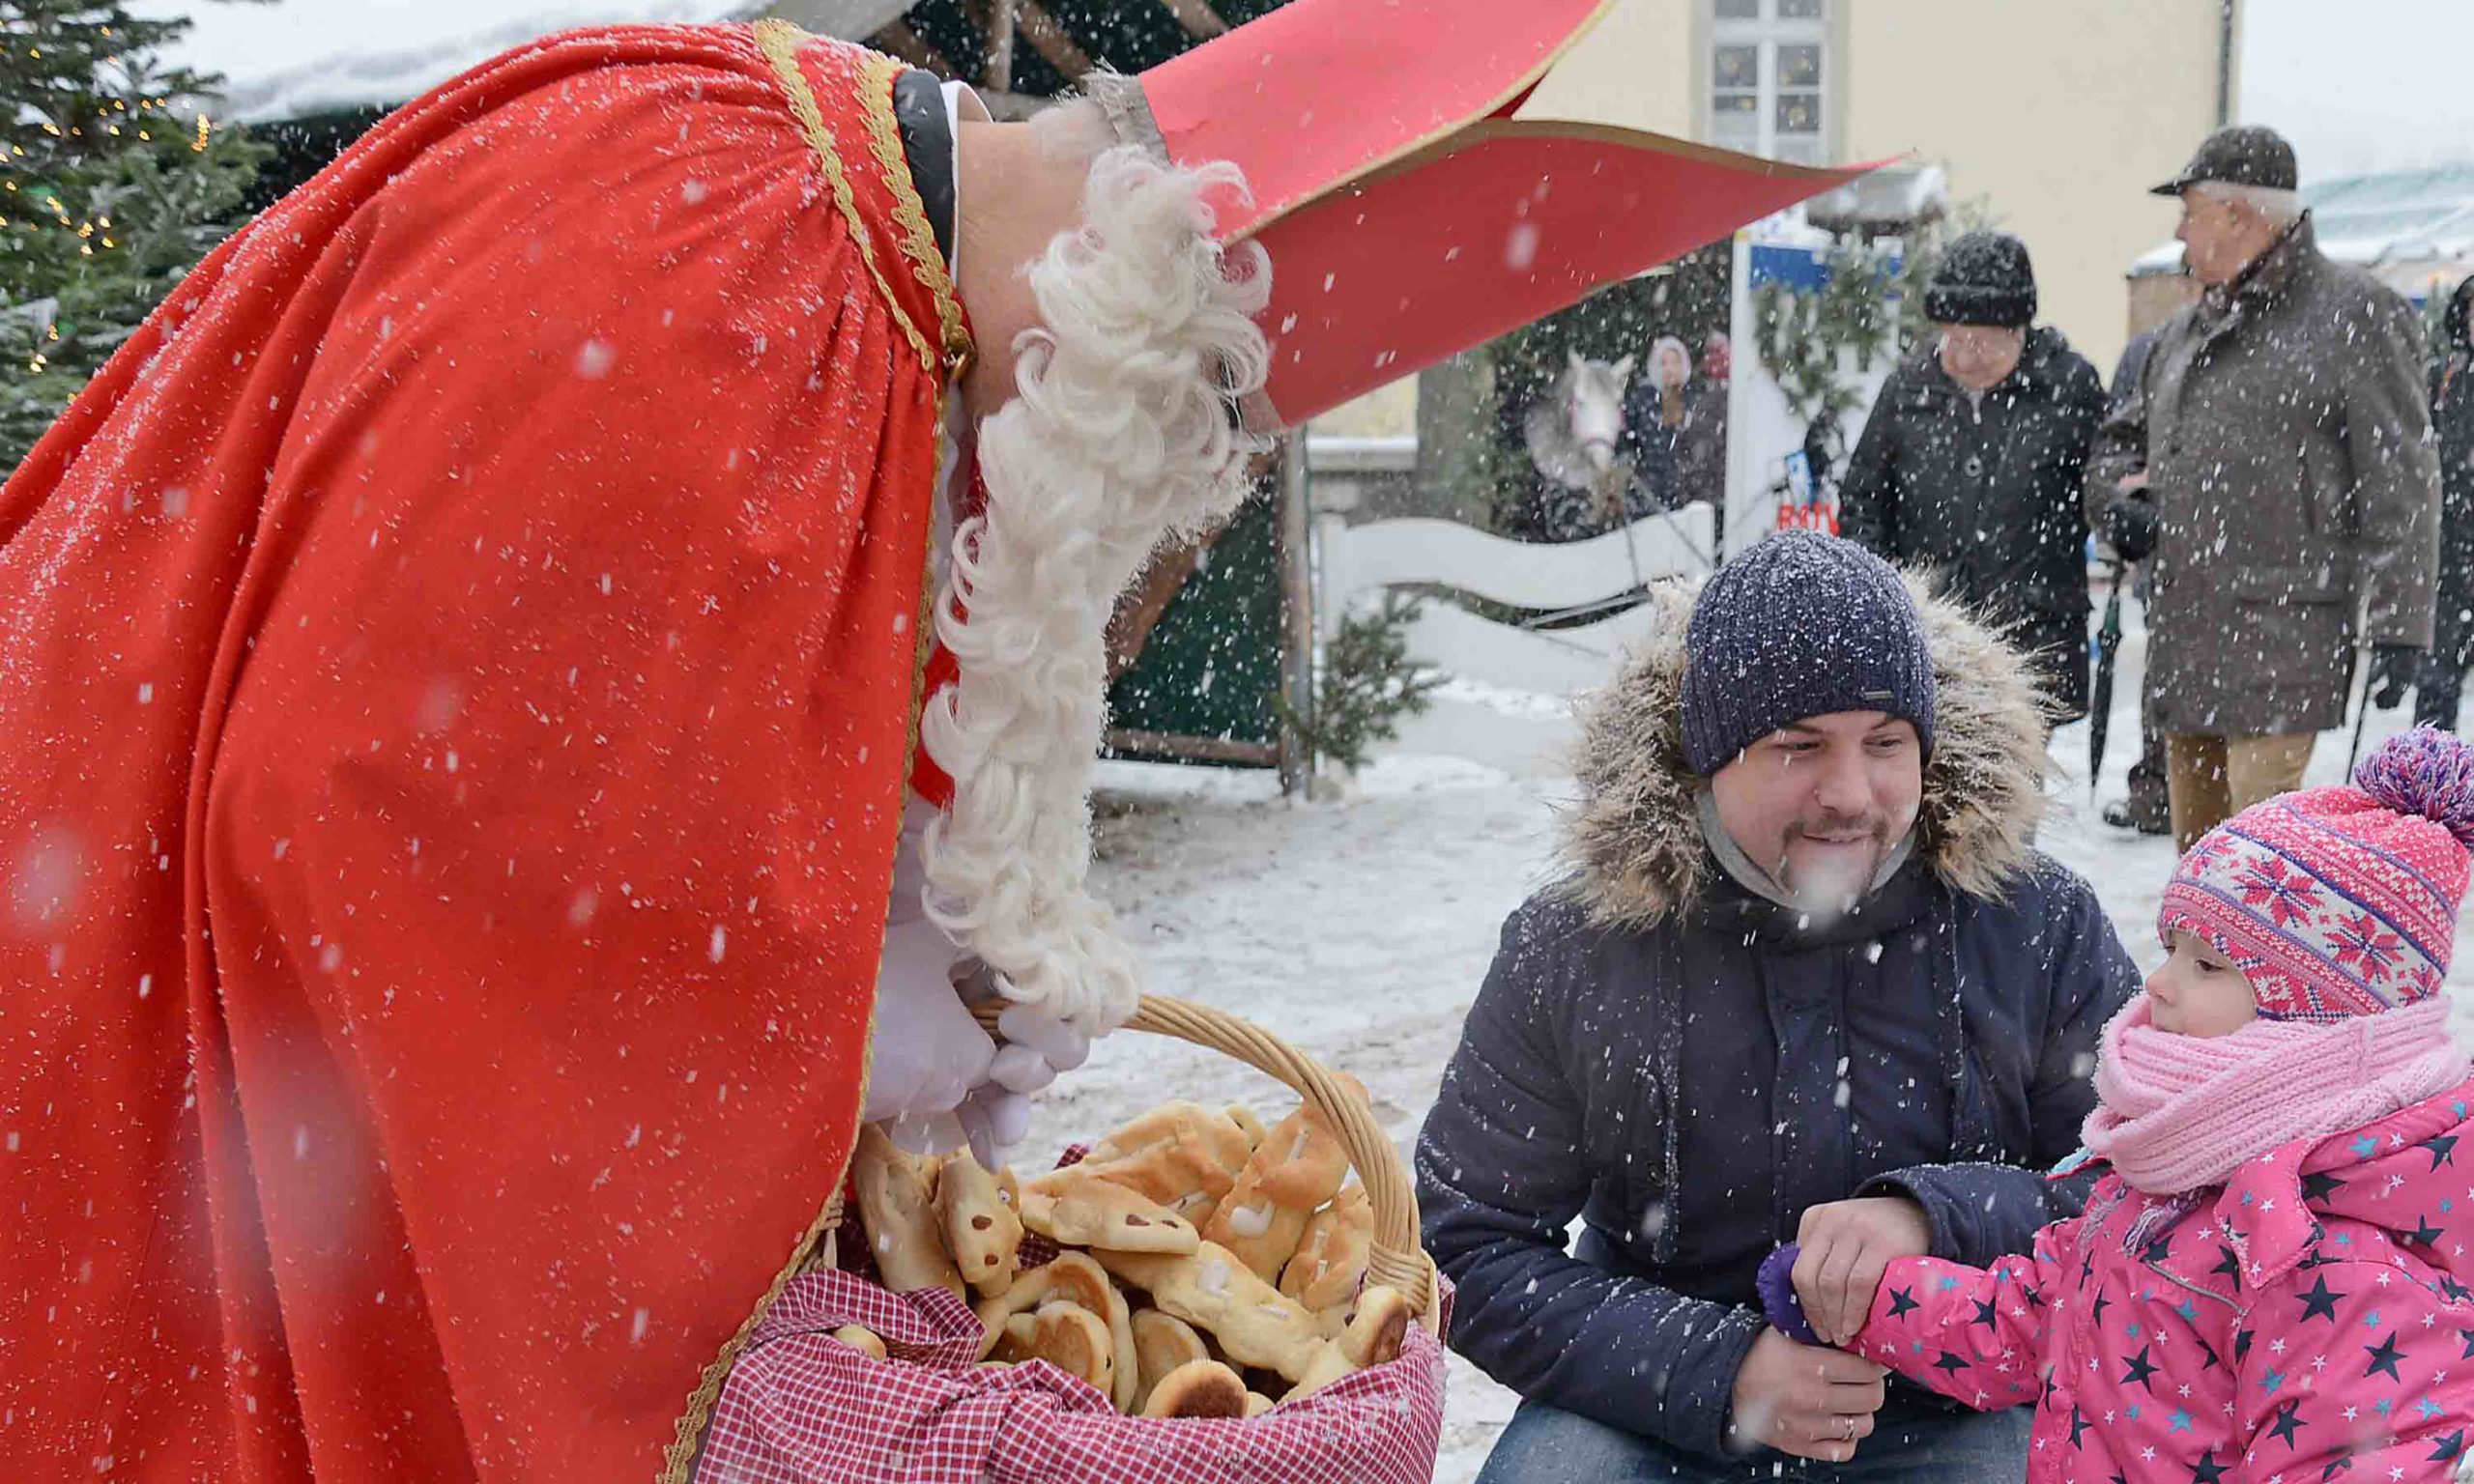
(2293, 1327)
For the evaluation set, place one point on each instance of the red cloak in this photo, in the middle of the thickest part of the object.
(456, 674)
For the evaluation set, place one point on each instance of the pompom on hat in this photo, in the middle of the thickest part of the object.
(2338, 901)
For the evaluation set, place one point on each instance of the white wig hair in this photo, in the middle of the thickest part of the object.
(1119, 435)
(2281, 208)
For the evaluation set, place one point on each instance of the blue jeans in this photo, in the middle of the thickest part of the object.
(1544, 1446)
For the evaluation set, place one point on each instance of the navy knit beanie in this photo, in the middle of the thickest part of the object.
(1983, 278)
(1801, 625)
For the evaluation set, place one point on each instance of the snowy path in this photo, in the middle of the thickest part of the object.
(1359, 931)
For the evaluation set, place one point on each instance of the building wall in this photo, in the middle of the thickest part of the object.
(2057, 116)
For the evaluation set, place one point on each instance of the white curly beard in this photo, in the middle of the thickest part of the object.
(1120, 434)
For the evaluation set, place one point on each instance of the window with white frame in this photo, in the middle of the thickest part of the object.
(1769, 77)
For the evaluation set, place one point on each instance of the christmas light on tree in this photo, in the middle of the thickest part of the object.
(106, 200)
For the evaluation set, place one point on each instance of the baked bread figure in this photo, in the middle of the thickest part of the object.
(1195, 1252)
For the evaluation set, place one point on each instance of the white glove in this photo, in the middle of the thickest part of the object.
(935, 1079)
(927, 1053)
(1037, 1044)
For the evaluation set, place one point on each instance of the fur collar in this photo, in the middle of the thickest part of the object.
(1633, 844)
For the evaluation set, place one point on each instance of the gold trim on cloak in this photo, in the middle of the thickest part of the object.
(780, 42)
(910, 214)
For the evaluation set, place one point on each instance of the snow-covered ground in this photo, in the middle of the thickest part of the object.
(1360, 929)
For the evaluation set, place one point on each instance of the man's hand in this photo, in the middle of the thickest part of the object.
(1846, 1246)
(2392, 673)
(1811, 1403)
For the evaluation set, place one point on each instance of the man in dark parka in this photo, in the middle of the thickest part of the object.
(1804, 953)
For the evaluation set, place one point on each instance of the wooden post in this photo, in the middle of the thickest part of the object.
(1296, 616)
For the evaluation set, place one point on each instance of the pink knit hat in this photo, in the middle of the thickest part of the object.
(2338, 901)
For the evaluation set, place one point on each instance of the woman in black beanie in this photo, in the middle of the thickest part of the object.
(1972, 462)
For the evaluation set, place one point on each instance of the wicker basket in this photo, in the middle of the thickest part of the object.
(1395, 1256)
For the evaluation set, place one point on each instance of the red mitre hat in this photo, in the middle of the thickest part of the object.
(1428, 176)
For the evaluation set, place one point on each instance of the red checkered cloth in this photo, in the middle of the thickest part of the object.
(802, 1408)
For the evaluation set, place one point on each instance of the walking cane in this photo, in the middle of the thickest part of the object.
(2361, 707)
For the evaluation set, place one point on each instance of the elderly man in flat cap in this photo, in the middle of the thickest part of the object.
(2275, 466)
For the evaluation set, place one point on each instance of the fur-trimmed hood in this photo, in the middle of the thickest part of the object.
(1634, 845)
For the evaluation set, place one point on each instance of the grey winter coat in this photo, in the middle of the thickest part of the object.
(2288, 446)
(1985, 492)
(1686, 1066)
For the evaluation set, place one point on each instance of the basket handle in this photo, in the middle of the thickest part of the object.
(1394, 1257)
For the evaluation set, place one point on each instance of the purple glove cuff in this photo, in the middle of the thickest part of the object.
(1778, 1301)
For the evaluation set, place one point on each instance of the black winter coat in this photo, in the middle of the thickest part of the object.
(1987, 492)
(1686, 1066)
(2453, 423)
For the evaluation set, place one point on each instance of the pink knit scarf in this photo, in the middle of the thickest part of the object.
(2177, 1113)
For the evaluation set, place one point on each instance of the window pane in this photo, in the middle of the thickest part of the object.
(1798, 113)
(1739, 10)
(1804, 151)
(1800, 67)
(1748, 104)
(1736, 66)
(1799, 9)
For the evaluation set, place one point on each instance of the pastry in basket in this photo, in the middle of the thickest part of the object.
(1331, 1252)
(1162, 1343)
(1068, 1336)
(1297, 1168)
(1221, 1296)
(899, 1212)
(1373, 1336)
(1179, 1155)
(1076, 1208)
(861, 1339)
(981, 1230)
(1071, 1276)
(1247, 1123)
(1197, 1388)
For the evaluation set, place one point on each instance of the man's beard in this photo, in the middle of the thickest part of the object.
(1832, 885)
(1120, 434)
(1835, 884)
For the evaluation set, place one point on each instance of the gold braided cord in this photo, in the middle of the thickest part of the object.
(780, 42)
(918, 239)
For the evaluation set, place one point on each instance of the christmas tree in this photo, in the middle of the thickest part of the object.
(114, 181)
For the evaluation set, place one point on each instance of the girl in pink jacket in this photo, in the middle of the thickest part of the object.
(2269, 1284)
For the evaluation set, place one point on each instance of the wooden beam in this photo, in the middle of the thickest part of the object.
(1000, 45)
(898, 40)
(1198, 749)
(1050, 41)
(1200, 21)
(1140, 607)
